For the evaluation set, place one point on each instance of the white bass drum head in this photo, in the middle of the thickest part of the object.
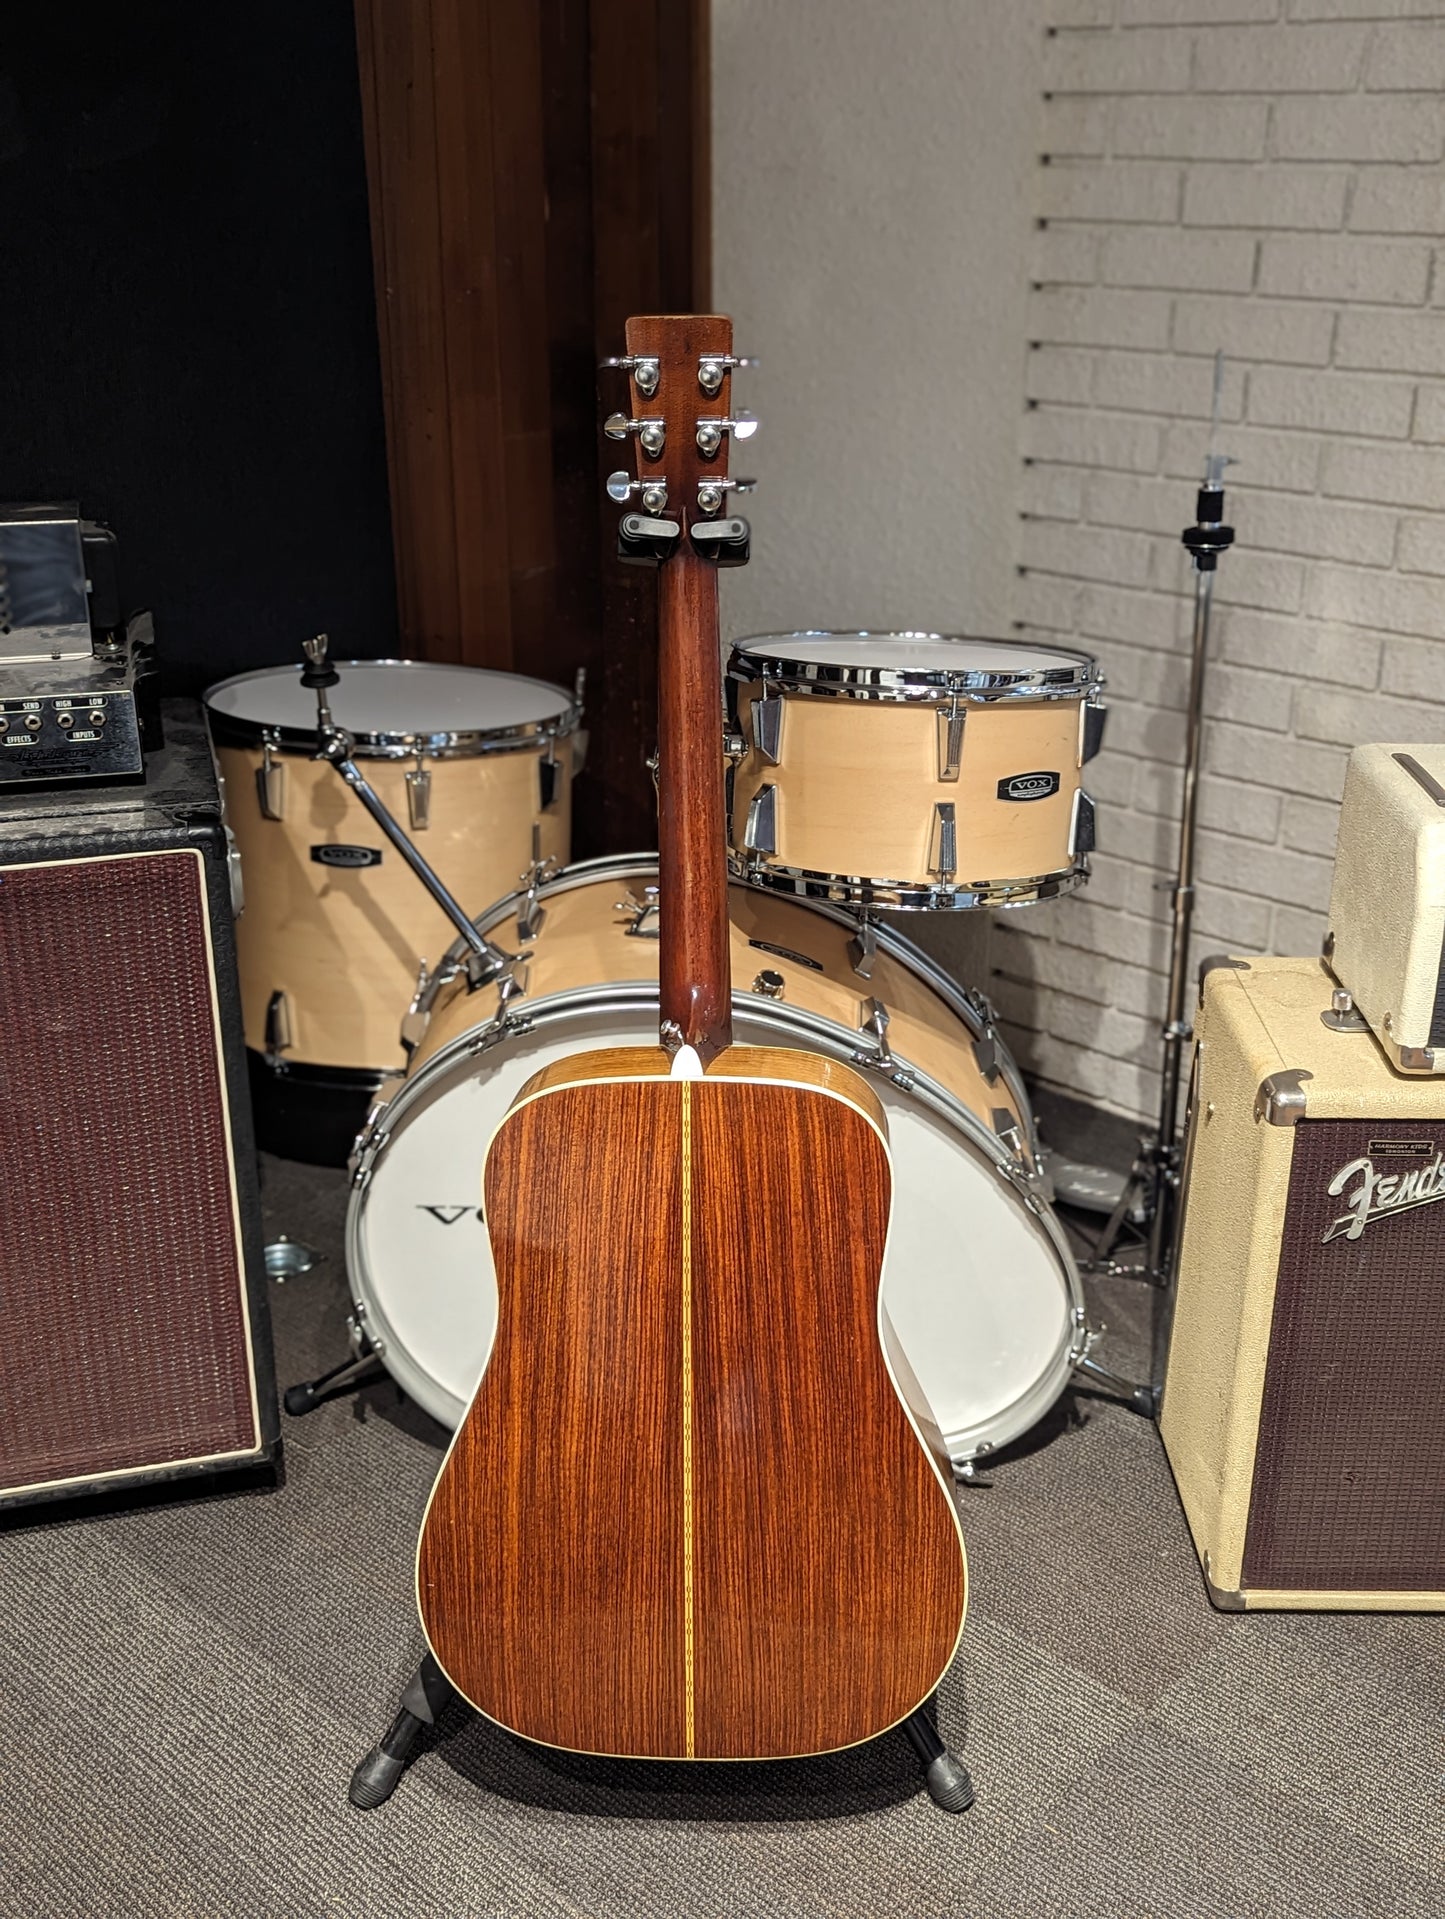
(979, 1297)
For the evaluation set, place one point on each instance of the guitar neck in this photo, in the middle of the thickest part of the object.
(693, 908)
(680, 429)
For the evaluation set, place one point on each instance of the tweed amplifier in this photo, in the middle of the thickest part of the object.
(134, 1340)
(1302, 1409)
(1386, 943)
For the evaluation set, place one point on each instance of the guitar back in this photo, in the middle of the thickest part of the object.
(649, 1537)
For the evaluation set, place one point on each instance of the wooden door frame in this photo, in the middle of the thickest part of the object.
(538, 169)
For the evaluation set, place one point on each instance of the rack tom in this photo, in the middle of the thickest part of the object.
(919, 771)
(476, 765)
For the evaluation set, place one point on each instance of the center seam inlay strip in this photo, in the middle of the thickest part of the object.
(687, 1488)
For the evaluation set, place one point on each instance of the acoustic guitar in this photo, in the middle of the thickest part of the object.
(690, 1512)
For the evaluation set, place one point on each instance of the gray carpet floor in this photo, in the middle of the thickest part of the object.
(186, 1688)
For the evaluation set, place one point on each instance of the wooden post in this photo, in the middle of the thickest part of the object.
(536, 171)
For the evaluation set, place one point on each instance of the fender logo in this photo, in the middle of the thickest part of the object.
(1375, 1195)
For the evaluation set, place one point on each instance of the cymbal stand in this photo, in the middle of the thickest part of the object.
(485, 961)
(1152, 1189)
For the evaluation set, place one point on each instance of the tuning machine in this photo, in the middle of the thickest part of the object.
(651, 434)
(644, 541)
(742, 426)
(724, 542)
(712, 494)
(712, 366)
(645, 368)
(652, 494)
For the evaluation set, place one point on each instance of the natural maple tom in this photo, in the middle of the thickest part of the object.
(477, 765)
(911, 770)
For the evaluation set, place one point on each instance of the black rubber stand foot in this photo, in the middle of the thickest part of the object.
(374, 1780)
(949, 1785)
(351, 1374)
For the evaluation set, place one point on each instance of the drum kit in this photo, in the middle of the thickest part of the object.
(868, 773)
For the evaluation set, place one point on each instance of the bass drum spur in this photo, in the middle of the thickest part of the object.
(980, 1286)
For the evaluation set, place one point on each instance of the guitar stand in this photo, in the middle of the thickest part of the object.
(379, 1773)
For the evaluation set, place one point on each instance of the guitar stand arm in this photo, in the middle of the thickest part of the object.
(949, 1785)
(375, 1779)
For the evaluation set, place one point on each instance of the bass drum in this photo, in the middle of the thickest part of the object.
(979, 1282)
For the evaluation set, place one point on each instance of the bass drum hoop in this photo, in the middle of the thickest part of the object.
(622, 867)
(963, 1444)
(462, 743)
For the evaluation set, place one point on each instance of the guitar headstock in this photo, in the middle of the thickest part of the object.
(679, 429)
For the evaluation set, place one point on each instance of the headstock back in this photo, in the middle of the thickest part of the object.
(679, 430)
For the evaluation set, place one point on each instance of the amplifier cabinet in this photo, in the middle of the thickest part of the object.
(1386, 938)
(134, 1336)
(1303, 1407)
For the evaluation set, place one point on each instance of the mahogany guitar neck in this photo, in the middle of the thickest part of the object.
(692, 857)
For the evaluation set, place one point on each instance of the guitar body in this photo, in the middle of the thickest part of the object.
(687, 1514)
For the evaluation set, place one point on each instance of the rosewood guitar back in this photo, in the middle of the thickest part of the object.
(687, 1514)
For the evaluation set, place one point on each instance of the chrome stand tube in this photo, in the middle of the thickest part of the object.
(1153, 1184)
(334, 745)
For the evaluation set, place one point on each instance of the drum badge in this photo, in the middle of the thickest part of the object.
(1029, 786)
(346, 855)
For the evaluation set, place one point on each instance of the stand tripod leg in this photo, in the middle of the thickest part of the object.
(949, 1785)
(375, 1779)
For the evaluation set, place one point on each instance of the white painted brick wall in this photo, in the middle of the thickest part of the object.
(1268, 177)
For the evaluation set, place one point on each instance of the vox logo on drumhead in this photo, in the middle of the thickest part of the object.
(449, 1215)
(346, 855)
(1028, 786)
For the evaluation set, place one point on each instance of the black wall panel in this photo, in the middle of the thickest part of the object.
(187, 318)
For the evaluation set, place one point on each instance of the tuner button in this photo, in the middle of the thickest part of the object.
(617, 426)
(712, 366)
(644, 368)
(619, 486)
(744, 425)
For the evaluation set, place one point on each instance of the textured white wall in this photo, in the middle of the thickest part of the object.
(1266, 176)
(872, 172)
(873, 169)
(1263, 176)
